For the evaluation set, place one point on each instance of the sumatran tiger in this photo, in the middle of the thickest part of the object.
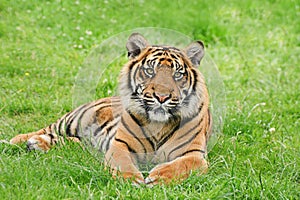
(161, 116)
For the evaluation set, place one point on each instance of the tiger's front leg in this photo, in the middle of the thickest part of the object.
(177, 170)
(122, 162)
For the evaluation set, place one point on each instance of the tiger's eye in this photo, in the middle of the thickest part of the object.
(178, 75)
(149, 71)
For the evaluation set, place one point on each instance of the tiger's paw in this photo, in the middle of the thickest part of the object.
(164, 173)
(39, 142)
(137, 179)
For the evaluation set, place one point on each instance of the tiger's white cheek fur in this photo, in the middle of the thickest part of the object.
(191, 108)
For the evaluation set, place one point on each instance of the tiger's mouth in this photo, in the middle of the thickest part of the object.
(158, 105)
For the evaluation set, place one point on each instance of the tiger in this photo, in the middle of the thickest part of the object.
(161, 116)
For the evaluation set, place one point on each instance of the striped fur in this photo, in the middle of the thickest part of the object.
(161, 117)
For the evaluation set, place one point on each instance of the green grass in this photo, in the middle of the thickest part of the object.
(256, 45)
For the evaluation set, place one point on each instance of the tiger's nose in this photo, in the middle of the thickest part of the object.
(162, 97)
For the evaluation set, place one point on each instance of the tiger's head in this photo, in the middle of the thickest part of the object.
(161, 82)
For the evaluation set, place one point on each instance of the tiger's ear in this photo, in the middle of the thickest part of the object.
(195, 52)
(135, 44)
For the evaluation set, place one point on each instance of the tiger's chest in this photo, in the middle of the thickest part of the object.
(149, 142)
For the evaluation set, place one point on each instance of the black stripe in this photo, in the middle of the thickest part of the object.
(166, 138)
(192, 150)
(68, 128)
(191, 129)
(162, 59)
(172, 65)
(60, 124)
(209, 117)
(142, 129)
(44, 131)
(113, 135)
(191, 78)
(151, 62)
(133, 134)
(129, 79)
(50, 127)
(184, 121)
(159, 53)
(74, 113)
(178, 66)
(82, 114)
(108, 142)
(71, 119)
(130, 73)
(173, 56)
(108, 130)
(132, 64)
(194, 84)
(65, 118)
(51, 138)
(53, 128)
(185, 143)
(99, 129)
(143, 61)
(134, 75)
(131, 150)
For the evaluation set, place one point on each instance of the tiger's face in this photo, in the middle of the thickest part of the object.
(161, 83)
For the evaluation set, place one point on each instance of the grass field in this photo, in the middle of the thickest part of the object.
(256, 45)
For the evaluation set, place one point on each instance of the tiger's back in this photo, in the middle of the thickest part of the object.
(95, 122)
